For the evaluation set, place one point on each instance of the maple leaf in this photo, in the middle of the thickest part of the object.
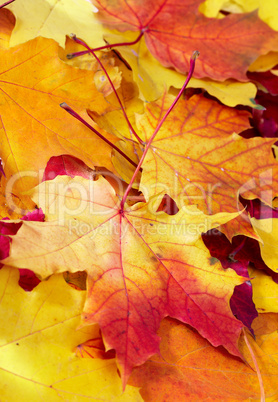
(141, 265)
(189, 368)
(152, 78)
(41, 332)
(54, 20)
(45, 130)
(174, 28)
(206, 164)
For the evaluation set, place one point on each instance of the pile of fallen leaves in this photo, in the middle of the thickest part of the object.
(160, 285)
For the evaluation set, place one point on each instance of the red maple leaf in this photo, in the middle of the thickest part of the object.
(174, 28)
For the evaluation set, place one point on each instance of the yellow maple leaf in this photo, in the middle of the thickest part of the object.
(55, 19)
(37, 341)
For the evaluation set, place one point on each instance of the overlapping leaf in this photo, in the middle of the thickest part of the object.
(265, 291)
(141, 265)
(37, 341)
(267, 10)
(234, 255)
(205, 163)
(188, 368)
(33, 82)
(7, 21)
(267, 230)
(54, 20)
(173, 29)
(152, 77)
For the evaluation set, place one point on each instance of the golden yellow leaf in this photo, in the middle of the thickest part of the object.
(264, 63)
(33, 82)
(7, 204)
(265, 291)
(88, 62)
(267, 229)
(123, 167)
(212, 8)
(37, 341)
(267, 10)
(55, 19)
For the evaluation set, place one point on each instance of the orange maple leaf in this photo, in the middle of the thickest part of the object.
(174, 28)
(189, 368)
(33, 82)
(196, 158)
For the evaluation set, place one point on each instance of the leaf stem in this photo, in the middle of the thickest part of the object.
(190, 73)
(73, 36)
(1, 169)
(7, 3)
(68, 109)
(108, 46)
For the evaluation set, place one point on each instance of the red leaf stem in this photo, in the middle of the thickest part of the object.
(68, 109)
(191, 70)
(108, 46)
(7, 3)
(73, 36)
